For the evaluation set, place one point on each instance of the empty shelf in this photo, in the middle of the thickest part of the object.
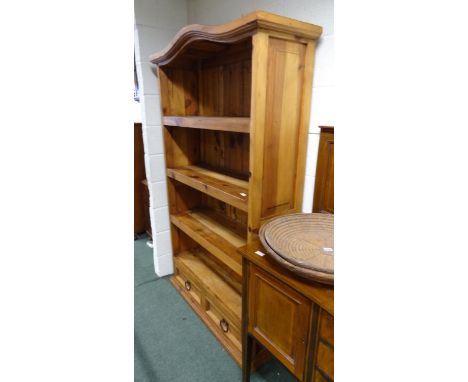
(226, 188)
(212, 234)
(234, 124)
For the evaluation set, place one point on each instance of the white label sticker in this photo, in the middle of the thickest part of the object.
(326, 249)
(260, 253)
(242, 194)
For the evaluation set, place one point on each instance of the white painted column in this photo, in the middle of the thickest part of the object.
(156, 23)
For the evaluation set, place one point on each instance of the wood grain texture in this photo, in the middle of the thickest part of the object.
(226, 298)
(224, 87)
(232, 216)
(320, 377)
(324, 178)
(179, 91)
(146, 209)
(304, 118)
(325, 360)
(225, 152)
(226, 188)
(279, 318)
(197, 298)
(211, 298)
(280, 114)
(138, 176)
(235, 103)
(312, 343)
(327, 328)
(291, 317)
(234, 31)
(234, 124)
(216, 238)
(233, 279)
(284, 93)
(257, 131)
(322, 295)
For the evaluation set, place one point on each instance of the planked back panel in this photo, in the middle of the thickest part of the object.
(225, 83)
(226, 152)
(324, 178)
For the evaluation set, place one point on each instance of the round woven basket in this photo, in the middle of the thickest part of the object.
(303, 243)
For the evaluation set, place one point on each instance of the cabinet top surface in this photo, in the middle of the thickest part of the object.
(234, 31)
(322, 295)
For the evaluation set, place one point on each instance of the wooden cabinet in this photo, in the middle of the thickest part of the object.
(146, 209)
(286, 334)
(291, 317)
(324, 178)
(138, 176)
(235, 103)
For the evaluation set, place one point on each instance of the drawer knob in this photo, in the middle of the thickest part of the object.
(188, 285)
(223, 324)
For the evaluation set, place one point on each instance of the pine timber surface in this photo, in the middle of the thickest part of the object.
(235, 102)
(234, 124)
(223, 187)
(220, 240)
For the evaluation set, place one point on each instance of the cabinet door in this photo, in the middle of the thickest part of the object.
(324, 179)
(279, 319)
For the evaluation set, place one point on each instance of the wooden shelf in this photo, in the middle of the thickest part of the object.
(233, 124)
(208, 230)
(230, 190)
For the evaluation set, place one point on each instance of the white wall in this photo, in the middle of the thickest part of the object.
(136, 108)
(156, 23)
(318, 12)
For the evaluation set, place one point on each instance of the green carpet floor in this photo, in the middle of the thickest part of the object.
(171, 343)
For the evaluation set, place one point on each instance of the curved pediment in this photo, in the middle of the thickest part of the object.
(209, 38)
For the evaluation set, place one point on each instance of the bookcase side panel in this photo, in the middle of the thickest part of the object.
(280, 112)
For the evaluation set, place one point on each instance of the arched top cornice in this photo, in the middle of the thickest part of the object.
(234, 31)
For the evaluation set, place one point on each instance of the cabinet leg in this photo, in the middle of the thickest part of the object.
(247, 358)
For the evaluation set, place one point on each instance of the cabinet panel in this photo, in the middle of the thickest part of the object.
(282, 125)
(285, 335)
(324, 179)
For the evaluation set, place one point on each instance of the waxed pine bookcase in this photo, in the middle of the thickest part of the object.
(235, 101)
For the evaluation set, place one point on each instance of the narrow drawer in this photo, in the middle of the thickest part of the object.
(326, 327)
(189, 284)
(318, 377)
(227, 327)
(325, 359)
